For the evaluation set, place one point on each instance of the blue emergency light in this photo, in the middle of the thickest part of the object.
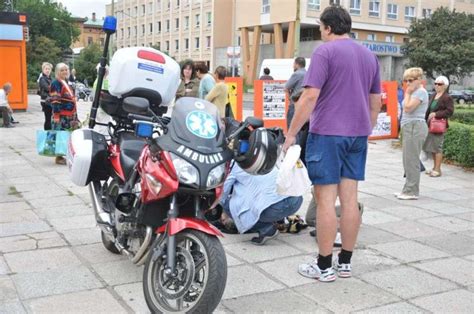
(110, 24)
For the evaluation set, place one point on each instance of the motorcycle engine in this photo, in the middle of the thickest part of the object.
(129, 234)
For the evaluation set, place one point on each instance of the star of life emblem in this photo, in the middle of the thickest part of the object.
(201, 124)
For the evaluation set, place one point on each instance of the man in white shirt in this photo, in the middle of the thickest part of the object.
(4, 107)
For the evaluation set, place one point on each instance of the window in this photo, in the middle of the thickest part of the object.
(238, 40)
(150, 28)
(158, 27)
(426, 13)
(168, 5)
(177, 23)
(354, 35)
(128, 12)
(150, 44)
(167, 25)
(89, 40)
(135, 31)
(374, 8)
(186, 22)
(143, 29)
(409, 14)
(158, 45)
(265, 6)
(314, 4)
(372, 37)
(198, 20)
(186, 44)
(196, 42)
(167, 46)
(209, 18)
(135, 11)
(128, 32)
(121, 33)
(176, 45)
(355, 7)
(390, 39)
(338, 2)
(143, 10)
(177, 4)
(158, 5)
(150, 8)
(208, 41)
(392, 11)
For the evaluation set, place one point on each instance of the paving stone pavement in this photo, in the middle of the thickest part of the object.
(412, 256)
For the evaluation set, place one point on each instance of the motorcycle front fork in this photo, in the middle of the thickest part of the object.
(171, 240)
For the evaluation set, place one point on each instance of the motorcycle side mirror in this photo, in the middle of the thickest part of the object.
(136, 105)
(254, 122)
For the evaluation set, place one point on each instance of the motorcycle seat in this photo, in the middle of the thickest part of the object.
(131, 147)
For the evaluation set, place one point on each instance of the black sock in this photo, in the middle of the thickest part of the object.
(324, 262)
(345, 257)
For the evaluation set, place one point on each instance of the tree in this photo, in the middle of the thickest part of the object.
(443, 44)
(47, 18)
(44, 50)
(87, 62)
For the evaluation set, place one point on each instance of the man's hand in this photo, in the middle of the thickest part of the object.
(289, 141)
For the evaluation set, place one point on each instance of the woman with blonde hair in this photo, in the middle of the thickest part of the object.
(441, 107)
(43, 91)
(63, 104)
(414, 131)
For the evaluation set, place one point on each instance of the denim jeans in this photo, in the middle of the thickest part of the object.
(275, 212)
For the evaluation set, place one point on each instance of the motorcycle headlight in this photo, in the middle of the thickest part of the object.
(216, 176)
(187, 173)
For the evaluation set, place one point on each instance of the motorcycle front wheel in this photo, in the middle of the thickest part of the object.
(201, 275)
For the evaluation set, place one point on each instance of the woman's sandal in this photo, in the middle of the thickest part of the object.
(435, 174)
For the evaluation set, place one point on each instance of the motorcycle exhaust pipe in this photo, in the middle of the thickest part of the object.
(144, 247)
(102, 217)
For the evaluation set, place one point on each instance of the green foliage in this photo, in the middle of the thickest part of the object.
(87, 62)
(44, 50)
(459, 144)
(443, 44)
(465, 116)
(47, 18)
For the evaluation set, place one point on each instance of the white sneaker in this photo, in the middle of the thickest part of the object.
(311, 270)
(403, 196)
(343, 270)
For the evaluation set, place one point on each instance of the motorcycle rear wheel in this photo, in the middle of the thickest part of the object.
(202, 274)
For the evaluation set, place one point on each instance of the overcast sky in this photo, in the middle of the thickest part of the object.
(86, 7)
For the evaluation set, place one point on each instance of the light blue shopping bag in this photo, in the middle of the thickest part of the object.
(52, 143)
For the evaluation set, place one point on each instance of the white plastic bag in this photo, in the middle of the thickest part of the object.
(293, 179)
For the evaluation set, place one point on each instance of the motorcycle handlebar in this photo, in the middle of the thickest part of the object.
(133, 116)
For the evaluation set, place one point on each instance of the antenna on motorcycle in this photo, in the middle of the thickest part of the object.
(109, 27)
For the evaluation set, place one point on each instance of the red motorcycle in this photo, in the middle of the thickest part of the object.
(152, 178)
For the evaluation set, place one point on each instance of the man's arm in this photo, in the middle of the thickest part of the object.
(303, 109)
(375, 101)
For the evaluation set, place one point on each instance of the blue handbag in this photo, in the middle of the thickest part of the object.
(52, 143)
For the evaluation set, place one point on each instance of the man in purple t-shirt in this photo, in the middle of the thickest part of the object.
(341, 98)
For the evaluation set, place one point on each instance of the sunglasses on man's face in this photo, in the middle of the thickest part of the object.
(439, 84)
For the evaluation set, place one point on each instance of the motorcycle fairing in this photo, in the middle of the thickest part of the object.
(176, 225)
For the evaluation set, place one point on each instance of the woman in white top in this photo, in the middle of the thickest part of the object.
(414, 131)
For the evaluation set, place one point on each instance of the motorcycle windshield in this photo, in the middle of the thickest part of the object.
(196, 135)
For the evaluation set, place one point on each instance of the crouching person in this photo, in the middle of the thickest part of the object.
(254, 205)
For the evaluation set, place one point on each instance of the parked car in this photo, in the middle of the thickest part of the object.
(470, 94)
(459, 97)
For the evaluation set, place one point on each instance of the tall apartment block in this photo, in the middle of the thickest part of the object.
(285, 28)
(184, 29)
